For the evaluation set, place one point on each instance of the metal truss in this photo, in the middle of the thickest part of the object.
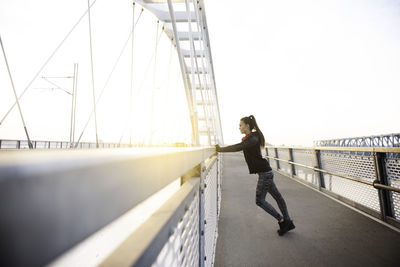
(390, 140)
(185, 24)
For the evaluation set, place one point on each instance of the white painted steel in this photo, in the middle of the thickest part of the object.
(195, 76)
(210, 212)
(182, 248)
(193, 239)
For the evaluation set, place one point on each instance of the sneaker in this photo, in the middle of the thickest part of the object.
(280, 230)
(285, 226)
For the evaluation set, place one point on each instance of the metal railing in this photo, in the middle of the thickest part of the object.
(23, 144)
(51, 201)
(367, 178)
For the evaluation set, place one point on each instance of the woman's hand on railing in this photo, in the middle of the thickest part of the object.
(217, 148)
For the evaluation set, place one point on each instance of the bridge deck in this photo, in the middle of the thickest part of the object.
(327, 233)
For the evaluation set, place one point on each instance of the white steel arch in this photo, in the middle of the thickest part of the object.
(185, 24)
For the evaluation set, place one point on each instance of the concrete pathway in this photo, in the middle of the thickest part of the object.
(327, 233)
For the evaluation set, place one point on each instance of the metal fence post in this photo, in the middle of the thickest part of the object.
(381, 178)
(277, 156)
(201, 215)
(292, 166)
(216, 188)
(317, 164)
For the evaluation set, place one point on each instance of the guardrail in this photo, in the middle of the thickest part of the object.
(365, 177)
(6, 144)
(51, 201)
(23, 144)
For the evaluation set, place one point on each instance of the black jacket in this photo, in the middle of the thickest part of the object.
(252, 153)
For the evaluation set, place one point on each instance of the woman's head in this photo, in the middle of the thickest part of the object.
(248, 124)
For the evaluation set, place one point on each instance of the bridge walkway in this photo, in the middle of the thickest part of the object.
(327, 232)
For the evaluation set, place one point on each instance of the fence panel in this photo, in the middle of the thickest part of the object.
(393, 173)
(357, 166)
(210, 211)
(271, 153)
(305, 157)
(284, 154)
(182, 248)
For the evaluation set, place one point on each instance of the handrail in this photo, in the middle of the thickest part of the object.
(155, 232)
(354, 149)
(324, 171)
(67, 195)
(375, 184)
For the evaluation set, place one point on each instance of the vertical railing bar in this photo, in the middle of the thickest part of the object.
(317, 164)
(277, 156)
(291, 158)
(385, 202)
(201, 216)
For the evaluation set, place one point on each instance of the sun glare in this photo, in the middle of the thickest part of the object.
(144, 106)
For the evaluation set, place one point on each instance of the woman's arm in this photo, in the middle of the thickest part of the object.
(251, 141)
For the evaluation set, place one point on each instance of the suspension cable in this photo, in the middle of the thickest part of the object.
(154, 85)
(108, 80)
(46, 62)
(129, 122)
(131, 93)
(92, 72)
(167, 86)
(147, 70)
(16, 97)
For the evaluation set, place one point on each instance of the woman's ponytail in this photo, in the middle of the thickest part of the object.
(251, 121)
(253, 124)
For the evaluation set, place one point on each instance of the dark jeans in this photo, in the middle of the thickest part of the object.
(266, 185)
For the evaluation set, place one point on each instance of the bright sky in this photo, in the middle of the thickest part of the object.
(31, 31)
(307, 70)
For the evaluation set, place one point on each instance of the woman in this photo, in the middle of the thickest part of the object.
(251, 144)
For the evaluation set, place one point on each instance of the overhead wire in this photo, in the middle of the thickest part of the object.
(129, 120)
(154, 85)
(164, 120)
(131, 91)
(46, 62)
(57, 86)
(108, 79)
(147, 70)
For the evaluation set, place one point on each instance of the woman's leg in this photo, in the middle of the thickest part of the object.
(263, 186)
(273, 190)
